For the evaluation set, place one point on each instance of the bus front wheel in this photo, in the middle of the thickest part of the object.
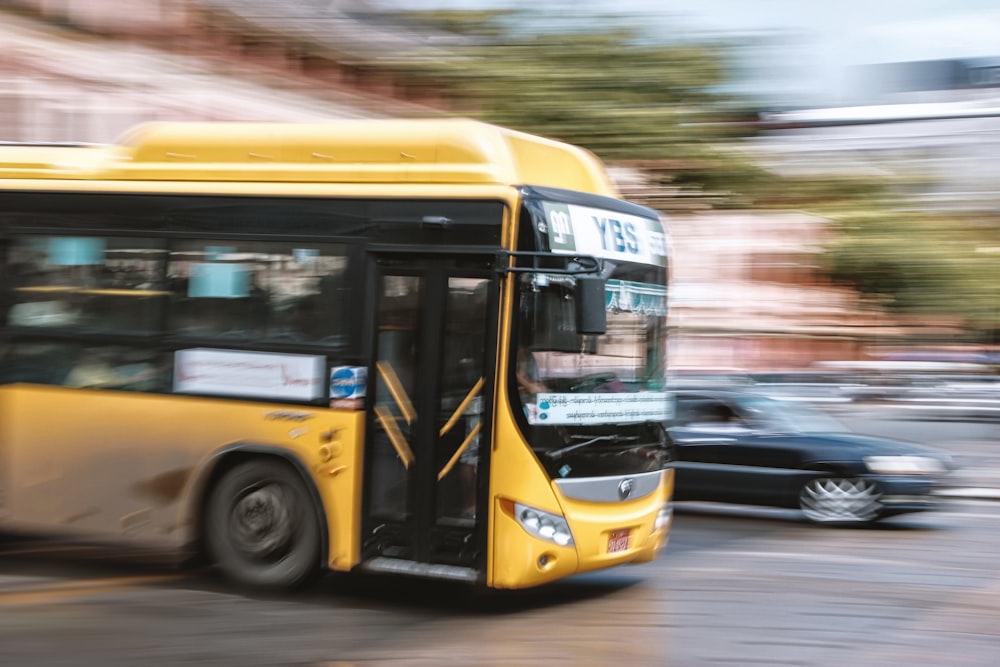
(261, 527)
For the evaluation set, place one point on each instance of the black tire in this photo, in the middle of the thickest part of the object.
(262, 527)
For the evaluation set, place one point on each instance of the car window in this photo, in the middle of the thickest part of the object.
(786, 417)
(705, 413)
(750, 411)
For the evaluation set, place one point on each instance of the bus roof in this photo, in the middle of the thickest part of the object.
(438, 151)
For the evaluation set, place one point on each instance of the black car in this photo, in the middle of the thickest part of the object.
(746, 448)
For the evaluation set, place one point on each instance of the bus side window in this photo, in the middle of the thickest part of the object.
(259, 291)
(96, 283)
(71, 364)
(117, 367)
(40, 363)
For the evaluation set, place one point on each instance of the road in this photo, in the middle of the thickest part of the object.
(736, 586)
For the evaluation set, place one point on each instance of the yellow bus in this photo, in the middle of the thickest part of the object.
(431, 347)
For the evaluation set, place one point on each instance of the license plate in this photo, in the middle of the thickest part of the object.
(618, 540)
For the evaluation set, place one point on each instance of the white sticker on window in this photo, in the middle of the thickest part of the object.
(297, 377)
(611, 408)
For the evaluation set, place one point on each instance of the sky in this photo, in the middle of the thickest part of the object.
(818, 43)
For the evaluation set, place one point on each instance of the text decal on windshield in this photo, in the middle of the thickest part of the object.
(600, 408)
(592, 231)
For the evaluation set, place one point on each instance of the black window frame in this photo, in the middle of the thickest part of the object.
(360, 225)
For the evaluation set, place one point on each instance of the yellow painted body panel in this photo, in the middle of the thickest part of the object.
(425, 151)
(513, 554)
(127, 465)
(592, 523)
(515, 557)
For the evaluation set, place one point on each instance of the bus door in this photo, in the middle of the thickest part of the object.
(428, 426)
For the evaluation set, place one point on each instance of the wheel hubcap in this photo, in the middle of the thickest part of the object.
(840, 499)
(262, 522)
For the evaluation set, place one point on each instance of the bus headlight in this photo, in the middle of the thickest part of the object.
(544, 525)
(663, 516)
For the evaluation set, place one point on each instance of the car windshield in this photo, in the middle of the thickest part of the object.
(784, 416)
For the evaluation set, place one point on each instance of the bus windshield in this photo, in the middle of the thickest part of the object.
(553, 358)
(605, 391)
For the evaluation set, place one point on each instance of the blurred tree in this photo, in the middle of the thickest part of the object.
(593, 81)
(922, 263)
(658, 106)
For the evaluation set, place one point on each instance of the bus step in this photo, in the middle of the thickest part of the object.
(433, 570)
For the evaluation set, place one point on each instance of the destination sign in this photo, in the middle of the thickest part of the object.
(605, 234)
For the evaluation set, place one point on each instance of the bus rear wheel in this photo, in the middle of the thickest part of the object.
(262, 527)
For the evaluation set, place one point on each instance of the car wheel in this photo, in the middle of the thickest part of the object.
(840, 499)
(262, 527)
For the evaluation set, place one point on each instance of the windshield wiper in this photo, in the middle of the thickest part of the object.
(590, 440)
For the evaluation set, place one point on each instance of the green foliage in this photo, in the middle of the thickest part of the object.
(601, 85)
(816, 192)
(604, 85)
(922, 264)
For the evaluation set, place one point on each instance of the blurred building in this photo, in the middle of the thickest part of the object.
(86, 70)
(749, 288)
(159, 19)
(966, 76)
(750, 292)
(934, 126)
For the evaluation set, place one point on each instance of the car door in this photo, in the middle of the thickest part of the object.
(724, 457)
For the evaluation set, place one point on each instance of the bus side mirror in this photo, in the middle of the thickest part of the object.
(591, 311)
